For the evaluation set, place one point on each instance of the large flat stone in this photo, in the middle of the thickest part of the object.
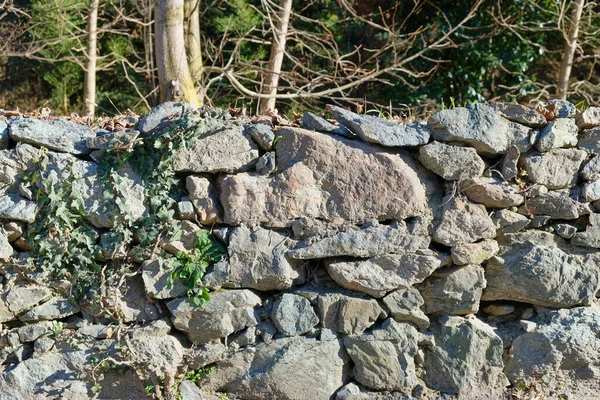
(58, 134)
(452, 163)
(492, 193)
(556, 169)
(462, 222)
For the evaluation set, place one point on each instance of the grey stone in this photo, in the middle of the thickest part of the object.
(202, 355)
(519, 113)
(244, 338)
(565, 349)
(349, 315)
(22, 298)
(405, 305)
(561, 132)
(591, 191)
(556, 169)
(264, 372)
(190, 391)
(561, 108)
(228, 150)
(31, 332)
(481, 127)
(162, 113)
(591, 170)
(3, 135)
(326, 178)
(158, 354)
(462, 222)
(104, 139)
(185, 209)
(452, 163)
(499, 309)
(204, 196)
(492, 193)
(112, 246)
(217, 275)
(257, 260)
(43, 345)
(55, 308)
(467, 360)
(474, 253)
(293, 315)
(13, 230)
(565, 230)
(384, 358)
(97, 331)
(130, 301)
(509, 167)
(507, 221)
(155, 274)
(381, 274)
(262, 135)
(453, 291)
(266, 164)
(589, 140)
(6, 250)
(157, 328)
(541, 273)
(315, 123)
(556, 205)
(589, 118)
(380, 131)
(368, 242)
(539, 221)
(591, 236)
(225, 313)
(58, 134)
(5, 314)
(14, 207)
(351, 391)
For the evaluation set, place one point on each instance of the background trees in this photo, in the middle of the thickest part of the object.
(365, 53)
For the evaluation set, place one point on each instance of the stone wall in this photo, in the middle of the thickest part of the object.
(366, 259)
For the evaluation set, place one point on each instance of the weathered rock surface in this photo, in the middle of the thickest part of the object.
(55, 308)
(405, 305)
(492, 192)
(204, 196)
(561, 132)
(558, 108)
(379, 275)
(257, 260)
(14, 207)
(380, 131)
(453, 290)
(58, 134)
(591, 236)
(155, 276)
(227, 312)
(556, 205)
(160, 354)
(589, 118)
(509, 166)
(452, 163)
(556, 169)
(315, 123)
(467, 358)
(228, 150)
(368, 242)
(530, 270)
(347, 314)
(262, 135)
(462, 222)
(22, 298)
(508, 221)
(384, 358)
(474, 253)
(591, 169)
(589, 140)
(481, 127)
(3, 135)
(161, 114)
(6, 250)
(519, 113)
(293, 315)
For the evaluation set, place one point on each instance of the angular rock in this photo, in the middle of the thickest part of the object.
(264, 373)
(55, 308)
(6, 250)
(156, 276)
(591, 191)
(130, 301)
(541, 273)
(561, 132)
(22, 298)
(556, 205)
(266, 164)
(262, 135)
(58, 134)
(293, 315)
(225, 313)
(5, 314)
(380, 131)
(492, 193)
(204, 196)
(509, 166)
(467, 360)
(190, 391)
(556, 169)
(508, 221)
(591, 236)
(257, 260)
(462, 222)
(31, 332)
(564, 349)
(368, 242)
(405, 305)
(3, 135)
(453, 291)
(452, 163)
(384, 358)
(589, 140)
(229, 150)
(348, 315)
(159, 354)
(589, 118)
(591, 170)
(382, 274)
(481, 127)
(13, 230)
(519, 113)
(14, 207)
(498, 309)
(474, 253)
(315, 123)
(163, 113)
(556, 108)
(185, 209)
(565, 231)
(326, 178)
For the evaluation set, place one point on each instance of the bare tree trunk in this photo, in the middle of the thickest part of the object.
(271, 78)
(171, 59)
(89, 85)
(192, 38)
(569, 50)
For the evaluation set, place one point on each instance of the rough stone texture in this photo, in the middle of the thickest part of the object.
(227, 312)
(130, 301)
(591, 236)
(159, 354)
(467, 358)
(266, 164)
(155, 277)
(492, 193)
(349, 315)
(556, 169)
(589, 118)
(589, 140)
(3, 135)
(591, 191)
(519, 113)
(257, 260)
(379, 275)
(380, 131)
(58, 134)
(286, 369)
(556, 205)
(533, 269)
(6, 250)
(228, 150)
(55, 308)
(163, 113)
(319, 124)
(509, 167)
(558, 108)
(190, 391)
(293, 315)
(508, 221)
(262, 135)
(451, 162)
(591, 169)
(22, 298)
(14, 207)
(405, 305)
(561, 132)
(474, 253)
(384, 358)
(498, 309)
(565, 349)
(204, 196)
(453, 291)
(481, 127)
(462, 222)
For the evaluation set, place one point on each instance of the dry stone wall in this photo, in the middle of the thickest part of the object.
(365, 259)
